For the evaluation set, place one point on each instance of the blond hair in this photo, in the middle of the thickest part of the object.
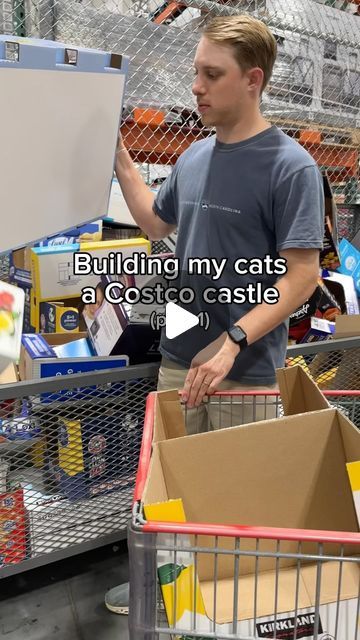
(252, 41)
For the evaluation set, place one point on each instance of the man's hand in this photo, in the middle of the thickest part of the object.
(211, 365)
(208, 369)
(120, 143)
(138, 196)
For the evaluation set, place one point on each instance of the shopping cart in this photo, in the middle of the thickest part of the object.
(275, 603)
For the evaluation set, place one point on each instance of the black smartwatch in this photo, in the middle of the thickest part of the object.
(238, 336)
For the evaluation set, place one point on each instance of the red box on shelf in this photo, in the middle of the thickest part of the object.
(12, 527)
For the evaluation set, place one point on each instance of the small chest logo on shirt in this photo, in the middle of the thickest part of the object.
(205, 206)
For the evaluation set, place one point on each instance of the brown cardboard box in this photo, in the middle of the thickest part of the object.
(288, 472)
(21, 258)
(347, 326)
(9, 375)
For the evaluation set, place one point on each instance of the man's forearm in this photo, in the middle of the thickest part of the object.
(293, 292)
(138, 197)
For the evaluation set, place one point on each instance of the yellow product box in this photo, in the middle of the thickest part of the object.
(56, 317)
(353, 469)
(54, 272)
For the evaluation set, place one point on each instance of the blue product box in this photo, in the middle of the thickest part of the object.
(315, 335)
(91, 232)
(350, 262)
(48, 355)
(22, 427)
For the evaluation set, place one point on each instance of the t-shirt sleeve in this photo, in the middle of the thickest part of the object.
(298, 208)
(165, 203)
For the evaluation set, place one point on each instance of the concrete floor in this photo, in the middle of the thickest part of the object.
(65, 600)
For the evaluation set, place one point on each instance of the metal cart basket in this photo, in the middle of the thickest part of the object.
(69, 448)
(165, 558)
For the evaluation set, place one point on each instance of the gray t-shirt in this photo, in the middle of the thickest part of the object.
(249, 199)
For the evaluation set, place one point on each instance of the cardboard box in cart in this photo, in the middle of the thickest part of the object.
(286, 472)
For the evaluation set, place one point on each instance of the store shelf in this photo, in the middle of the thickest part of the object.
(163, 144)
(159, 145)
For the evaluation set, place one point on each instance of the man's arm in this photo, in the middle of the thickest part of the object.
(138, 197)
(212, 364)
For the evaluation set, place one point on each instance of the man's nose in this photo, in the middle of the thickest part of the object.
(197, 87)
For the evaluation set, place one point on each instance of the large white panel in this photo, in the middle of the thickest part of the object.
(58, 133)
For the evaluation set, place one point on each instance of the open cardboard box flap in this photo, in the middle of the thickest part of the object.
(299, 394)
(169, 419)
(9, 374)
(288, 472)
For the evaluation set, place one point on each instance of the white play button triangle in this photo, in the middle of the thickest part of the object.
(178, 320)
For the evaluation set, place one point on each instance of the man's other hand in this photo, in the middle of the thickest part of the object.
(208, 369)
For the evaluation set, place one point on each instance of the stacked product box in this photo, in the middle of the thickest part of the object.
(54, 276)
(56, 317)
(44, 356)
(12, 527)
(20, 276)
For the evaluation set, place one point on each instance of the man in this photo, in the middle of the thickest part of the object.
(248, 191)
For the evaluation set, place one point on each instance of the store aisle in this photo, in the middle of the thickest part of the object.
(65, 601)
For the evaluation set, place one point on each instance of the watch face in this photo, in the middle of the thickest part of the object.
(237, 334)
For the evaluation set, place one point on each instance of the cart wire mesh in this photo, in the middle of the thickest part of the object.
(69, 450)
(333, 364)
(263, 597)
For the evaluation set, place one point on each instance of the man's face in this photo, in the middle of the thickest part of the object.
(221, 88)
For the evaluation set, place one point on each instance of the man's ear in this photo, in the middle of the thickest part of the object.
(255, 79)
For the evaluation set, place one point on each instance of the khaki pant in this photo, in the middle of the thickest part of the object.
(218, 413)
